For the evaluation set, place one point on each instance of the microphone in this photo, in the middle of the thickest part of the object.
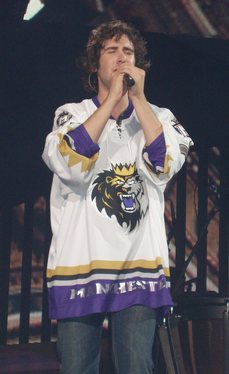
(129, 80)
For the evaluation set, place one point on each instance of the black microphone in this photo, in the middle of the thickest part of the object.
(129, 80)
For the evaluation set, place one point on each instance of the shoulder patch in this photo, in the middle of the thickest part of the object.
(63, 118)
(179, 128)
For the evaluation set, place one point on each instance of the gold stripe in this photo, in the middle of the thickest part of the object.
(166, 162)
(74, 157)
(112, 265)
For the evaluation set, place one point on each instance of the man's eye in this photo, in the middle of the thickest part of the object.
(131, 181)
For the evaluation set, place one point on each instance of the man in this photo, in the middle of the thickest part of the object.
(111, 156)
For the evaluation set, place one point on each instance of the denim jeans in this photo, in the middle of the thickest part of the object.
(132, 333)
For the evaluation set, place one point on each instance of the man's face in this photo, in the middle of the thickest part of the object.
(113, 53)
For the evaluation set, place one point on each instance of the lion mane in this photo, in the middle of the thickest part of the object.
(120, 193)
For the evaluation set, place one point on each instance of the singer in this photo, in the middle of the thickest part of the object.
(111, 157)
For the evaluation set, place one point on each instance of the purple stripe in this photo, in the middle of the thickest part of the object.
(83, 142)
(96, 101)
(128, 111)
(108, 296)
(156, 151)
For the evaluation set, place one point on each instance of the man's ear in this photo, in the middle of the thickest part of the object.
(93, 69)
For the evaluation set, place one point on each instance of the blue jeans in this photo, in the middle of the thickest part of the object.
(132, 332)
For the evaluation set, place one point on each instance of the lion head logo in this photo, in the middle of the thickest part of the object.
(120, 192)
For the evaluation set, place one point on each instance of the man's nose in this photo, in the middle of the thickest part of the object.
(121, 57)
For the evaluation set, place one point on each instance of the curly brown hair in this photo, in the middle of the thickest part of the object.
(105, 31)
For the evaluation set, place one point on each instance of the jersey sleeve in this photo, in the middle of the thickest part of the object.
(156, 152)
(60, 153)
(80, 141)
(177, 145)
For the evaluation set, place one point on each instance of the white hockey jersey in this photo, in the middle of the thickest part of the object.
(109, 248)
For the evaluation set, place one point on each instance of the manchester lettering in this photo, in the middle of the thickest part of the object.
(117, 288)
